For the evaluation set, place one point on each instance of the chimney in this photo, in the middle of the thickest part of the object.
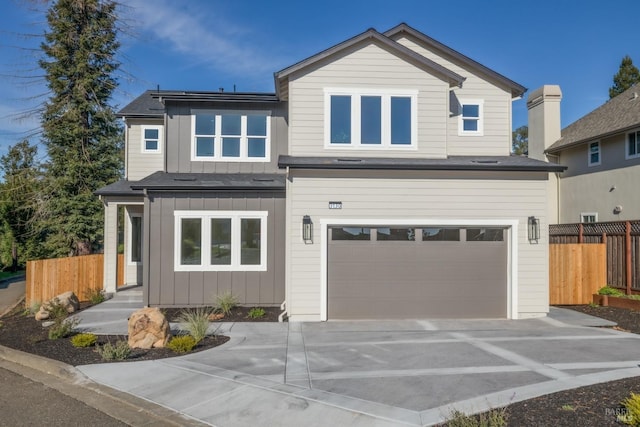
(544, 119)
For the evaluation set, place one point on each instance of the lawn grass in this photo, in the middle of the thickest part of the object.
(8, 275)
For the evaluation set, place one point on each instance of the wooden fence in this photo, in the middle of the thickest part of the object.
(47, 278)
(622, 239)
(576, 271)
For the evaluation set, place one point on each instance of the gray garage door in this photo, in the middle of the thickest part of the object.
(413, 272)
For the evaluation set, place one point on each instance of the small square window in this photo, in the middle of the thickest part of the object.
(470, 122)
(594, 154)
(589, 217)
(151, 139)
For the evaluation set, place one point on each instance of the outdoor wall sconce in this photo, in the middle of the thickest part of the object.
(533, 229)
(307, 229)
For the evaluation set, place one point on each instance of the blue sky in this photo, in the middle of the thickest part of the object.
(209, 44)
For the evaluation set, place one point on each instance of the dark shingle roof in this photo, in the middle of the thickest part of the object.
(211, 181)
(452, 163)
(143, 106)
(119, 188)
(616, 115)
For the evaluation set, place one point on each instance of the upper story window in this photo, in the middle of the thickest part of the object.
(151, 139)
(230, 136)
(589, 217)
(470, 120)
(594, 154)
(633, 145)
(370, 119)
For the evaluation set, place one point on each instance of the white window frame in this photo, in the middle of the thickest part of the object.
(627, 155)
(143, 140)
(130, 238)
(385, 94)
(590, 163)
(244, 137)
(205, 250)
(461, 118)
(584, 214)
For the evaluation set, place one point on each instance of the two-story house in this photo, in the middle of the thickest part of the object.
(376, 182)
(601, 151)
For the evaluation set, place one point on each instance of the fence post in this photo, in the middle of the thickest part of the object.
(627, 244)
(580, 231)
(604, 238)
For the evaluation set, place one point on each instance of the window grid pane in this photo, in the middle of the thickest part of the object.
(250, 241)
(256, 125)
(205, 124)
(230, 147)
(397, 234)
(400, 120)
(350, 233)
(441, 234)
(485, 234)
(471, 111)
(191, 241)
(151, 145)
(257, 147)
(371, 120)
(231, 124)
(221, 241)
(136, 239)
(340, 119)
(204, 146)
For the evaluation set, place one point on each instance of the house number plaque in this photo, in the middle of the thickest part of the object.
(335, 205)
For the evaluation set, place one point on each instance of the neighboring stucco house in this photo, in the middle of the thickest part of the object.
(601, 151)
(376, 182)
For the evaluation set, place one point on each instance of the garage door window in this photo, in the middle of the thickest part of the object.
(351, 233)
(485, 234)
(398, 234)
(441, 234)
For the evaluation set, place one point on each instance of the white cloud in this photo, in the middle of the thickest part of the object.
(206, 38)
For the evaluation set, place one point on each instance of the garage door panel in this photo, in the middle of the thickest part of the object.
(413, 279)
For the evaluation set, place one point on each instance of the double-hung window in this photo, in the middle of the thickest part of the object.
(633, 145)
(594, 154)
(220, 241)
(151, 139)
(470, 120)
(230, 136)
(370, 119)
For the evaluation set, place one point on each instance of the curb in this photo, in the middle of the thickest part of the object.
(68, 380)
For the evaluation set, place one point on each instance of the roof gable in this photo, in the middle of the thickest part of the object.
(456, 57)
(617, 115)
(367, 37)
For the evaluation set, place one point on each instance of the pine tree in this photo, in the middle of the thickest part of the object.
(520, 140)
(80, 130)
(627, 75)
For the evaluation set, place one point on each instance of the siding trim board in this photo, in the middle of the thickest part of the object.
(512, 262)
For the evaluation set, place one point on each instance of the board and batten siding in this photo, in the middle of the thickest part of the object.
(138, 164)
(496, 139)
(165, 287)
(179, 133)
(426, 196)
(366, 67)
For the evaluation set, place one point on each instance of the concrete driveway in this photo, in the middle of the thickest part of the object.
(378, 373)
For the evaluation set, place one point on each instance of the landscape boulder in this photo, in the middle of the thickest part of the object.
(68, 300)
(148, 328)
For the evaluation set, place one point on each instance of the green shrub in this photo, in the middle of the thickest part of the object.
(608, 290)
(196, 322)
(632, 406)
(493, 418)
(635, 296)
(33, 308)
(256, 313)
(83, 340)
(57, 311)
(62, 328)
(182, 343)
(119, 351)
(226, 302)
(95, 296)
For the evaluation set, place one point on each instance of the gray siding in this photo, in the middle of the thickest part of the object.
(168, 288)
(612, 156)
(178, 131)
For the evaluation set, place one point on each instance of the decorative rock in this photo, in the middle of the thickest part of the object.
(148, 328)
(48, 323)
(68, 300)
(215, 316)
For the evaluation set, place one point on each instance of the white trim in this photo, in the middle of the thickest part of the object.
(386, 95)
(628, 156)
(593, 214)
(480, 131)
(143, 140)
(205, 250)
(512, 272)
(130, 236)
(590, 163)
(244, 137)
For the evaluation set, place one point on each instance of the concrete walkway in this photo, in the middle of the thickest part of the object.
(111, 317)
(377, 373)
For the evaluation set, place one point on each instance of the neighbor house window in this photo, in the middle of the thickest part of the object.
(588, 217)
(230, 136)
(151, 139)
(633, 144)
(370, 118)
(470, 120)
(135, 238)
(594, 154)
(220, 241)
